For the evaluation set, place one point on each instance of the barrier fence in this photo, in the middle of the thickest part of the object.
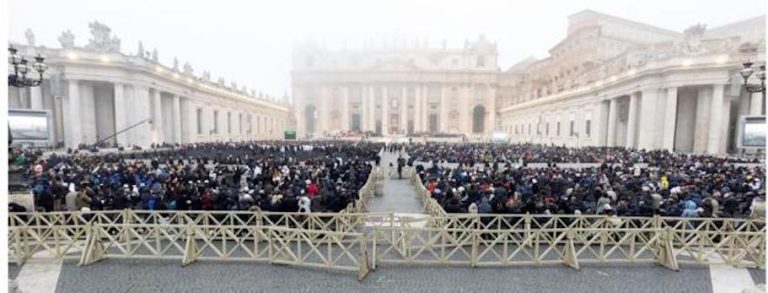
(431, 206)
(342, 241)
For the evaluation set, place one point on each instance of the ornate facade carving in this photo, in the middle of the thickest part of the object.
(188, 68)
(30, 37)
(67, 39)
(101, 39)
(691, 44)
(140, 52)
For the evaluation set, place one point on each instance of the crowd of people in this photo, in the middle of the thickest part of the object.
(485, 180)
(472, 153)
(268, 176)
(326, 177)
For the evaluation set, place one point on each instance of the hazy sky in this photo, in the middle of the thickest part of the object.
(250, 41)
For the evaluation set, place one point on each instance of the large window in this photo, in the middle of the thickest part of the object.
(480, 61)
(573, 128)
(558, 128)
(588, 128)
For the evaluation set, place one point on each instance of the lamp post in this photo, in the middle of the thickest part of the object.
(752, 88)
(21, 67)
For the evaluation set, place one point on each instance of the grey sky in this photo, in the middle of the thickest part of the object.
(250, 41)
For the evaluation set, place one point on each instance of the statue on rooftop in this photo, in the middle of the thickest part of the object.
(140, 53)
(101, 39)
(30, 37)
(67, 39)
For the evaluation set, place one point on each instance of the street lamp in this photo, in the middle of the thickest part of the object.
(19, 77)
(747, 72)
(21, 67)
(752, 88)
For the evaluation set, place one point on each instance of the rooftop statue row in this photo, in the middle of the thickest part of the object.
(102, 40)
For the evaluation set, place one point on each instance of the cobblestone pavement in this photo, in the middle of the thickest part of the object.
(399, 195)
(169, 276)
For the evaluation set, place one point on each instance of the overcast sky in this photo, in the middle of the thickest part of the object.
(250, 41)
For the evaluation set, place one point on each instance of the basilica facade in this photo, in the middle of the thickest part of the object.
(396, 90)
(96, 90)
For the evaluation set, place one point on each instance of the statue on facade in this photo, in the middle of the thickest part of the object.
(206, 76)
(67, 39)
(101, 39)
(221, 82)
(188, 68)
(140, 53)
(233, 85)
(244, 90)
(154, 54)
(253, 93)
(30, 37)
(691, 44)
(175, 64)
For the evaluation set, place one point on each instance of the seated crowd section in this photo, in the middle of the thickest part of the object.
(502, 179)
(318, 176)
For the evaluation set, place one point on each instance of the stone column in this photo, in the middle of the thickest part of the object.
(345, 110)
(322, 113)
(417, 108)
(492, 110)
(756, 106)
(647, 119)
(363, 108)
(177, 119)
(702, 120)
(716, 123)
(384, 111)
(632, 119)
(36, 98)
(670, 119)
(74, 119)
(426, 108)
(613, 108)
(372, 110)
(157, 116)
(141, 111)
(121, 111)
(443, 110)
(466, 109)
(404, 110)
(299, 112)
